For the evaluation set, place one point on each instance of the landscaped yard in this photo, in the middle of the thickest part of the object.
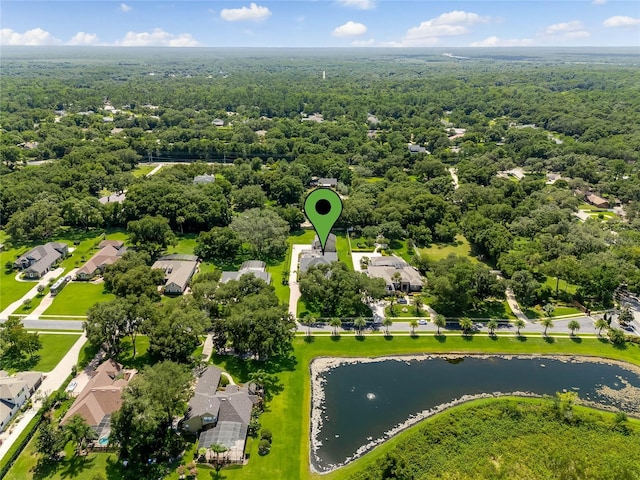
(142, 170)
(77, 297)
(12, 290)
(54, 347)
(560, 310)
(563, 285)
(490, 309)
(186, 244)
(438, 251)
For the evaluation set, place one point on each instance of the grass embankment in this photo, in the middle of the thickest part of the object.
(509, 438)
(54, 347)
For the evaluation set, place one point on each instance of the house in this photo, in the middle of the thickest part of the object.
(110, 252)
(328, 182)
(315, 257)
(221, 417)
(39, 260)
(417, 149)
(178, 270)
(101, 397)
(329, 246)
(251, 267)
(203, 179)
(218, 122)
(397, 274)
(14, 392)
(596, 201)
(113, 198)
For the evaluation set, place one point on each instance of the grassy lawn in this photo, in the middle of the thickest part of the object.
(563, 285)
(54, 347)
(277, 271)
(490, 309)
(12, 290)
(438, 251)
(142, 170)
(411, 312)
(77, 297)
(359, 244)
(401, 249)
(561, 309)
(186, 244)
(344, 254)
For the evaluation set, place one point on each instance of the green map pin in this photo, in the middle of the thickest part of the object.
(323, 208)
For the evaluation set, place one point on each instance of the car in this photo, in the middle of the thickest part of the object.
(72, 386)
(422, 322)
(403, 301)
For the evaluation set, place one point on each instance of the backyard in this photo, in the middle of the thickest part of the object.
(438, 251)
(54, 347)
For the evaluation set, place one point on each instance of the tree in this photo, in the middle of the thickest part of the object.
(413, 323)
(616, 336)
(546, 322)
(106, 324)
(287, 190)
(417, 303)
(466, 324)
(549, 309)
(250, 196)
(16, 341)
(524, 287)
(387, 322)
(38, 221)
(519, 323)
(219, 244)
(151, 234)
(268, 382)
(264, 230)
(218, 448)
(360, 323)
(79, 431)
(440, 321)
(336, 323)
(625, 317)
(50, 441)
(600, 324)
(492, 325)
(574, 326)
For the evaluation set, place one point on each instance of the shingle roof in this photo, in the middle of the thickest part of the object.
(178, 272)
(308, 260)
(107, 255)
(204, 398)
(329, 246)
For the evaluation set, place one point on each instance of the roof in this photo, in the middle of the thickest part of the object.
(43, 256)
(113, 198)
(255, 265)
(328, 181)
(311, 259)
(178, 272)
(107, 255)
(102, 395)
(114, 243)
(329, 246)
(595, 199)
(204, 178)
(408, 274)
(180, 257)
(204, 400)
(230, 434)
(251, 267)
(388, 261)
(417, 149)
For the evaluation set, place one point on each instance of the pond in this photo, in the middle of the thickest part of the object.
(359, 403)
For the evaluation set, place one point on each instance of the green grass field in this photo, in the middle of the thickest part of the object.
(437, 251)
(563, 285)
(54, 347)
(10, 289)
(186, 244)
(142, 170)
(77, 297)
(490, 309)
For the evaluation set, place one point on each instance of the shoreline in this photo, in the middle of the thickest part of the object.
(320, 365)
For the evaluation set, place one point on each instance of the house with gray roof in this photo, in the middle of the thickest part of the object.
(315, 257)
(252, 267)
(178, 270)
(222, 416)
(203, 179)
(39, 260)
(397, 274)
(328, 182)
(14, 392)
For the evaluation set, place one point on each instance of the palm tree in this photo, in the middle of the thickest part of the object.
(440, 321)
(574, 325)
(387, 322)
(413, 323)
(519, 323)
(600, 324)
(336, 323)
(79, 431)
(465, 324)
(218, 448)
(359, 323)
(492, 325)
(308, 322)
(418, 304)
(546, 322)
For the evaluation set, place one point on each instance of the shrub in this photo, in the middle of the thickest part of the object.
(224, 381)
(263, 447)
(266, 434)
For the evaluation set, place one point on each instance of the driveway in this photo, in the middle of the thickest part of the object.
(46, 301)
(4, 315)
(52, 382)
(357, 256)
(294, 289)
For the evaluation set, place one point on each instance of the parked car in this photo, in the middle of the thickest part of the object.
(422, 322)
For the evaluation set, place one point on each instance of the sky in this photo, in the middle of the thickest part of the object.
(321, 23)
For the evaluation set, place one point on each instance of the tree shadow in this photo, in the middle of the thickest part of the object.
(575, 339)
(493, 337)
(388, 338)
(440, 338)
(620, 346)
(309, 339)
(114, 469)
(359, 338)
(19, 363)
(467, 338)
(522, 338)
(336, 338)
(549, 340)
(74, 467)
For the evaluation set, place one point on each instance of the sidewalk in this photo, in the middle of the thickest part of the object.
(4, 315)
(52, 382)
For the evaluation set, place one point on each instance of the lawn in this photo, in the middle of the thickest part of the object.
(54, 347)
(359, 244)
(561, 309)
(344, 254)
(438, 251)
(401, 248)
(563, 285)
(11, 289)
(142, 170)
(77, 297)
(411, 311)
(186, 244)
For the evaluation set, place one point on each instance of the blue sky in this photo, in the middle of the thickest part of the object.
(322, 23)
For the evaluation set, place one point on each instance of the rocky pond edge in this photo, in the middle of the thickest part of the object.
(319, 366)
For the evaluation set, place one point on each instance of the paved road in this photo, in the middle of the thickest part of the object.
(53, 381)
(36, 324)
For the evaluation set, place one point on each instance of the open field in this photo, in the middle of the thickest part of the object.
(77, 297)
(54, 347)
(436, 252)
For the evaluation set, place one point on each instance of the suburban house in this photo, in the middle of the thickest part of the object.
(110, 251)
(314, 257)
(113, 198)
(417, 149)
(14, 392)
(39, 260)
(596, 201)
(101, 397)
(252, 267)
(200, 179)
(397, 274)
(221, 417)
(178, 270)
(328, 182)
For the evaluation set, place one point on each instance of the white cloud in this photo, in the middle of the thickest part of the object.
(446, 25)
(35, 36)
(359, 4)
(350, 29)
(621, 21)
(567, 30)
(253, 12)
(498, 42)
(125, 8)
(157, 38)
(83, 38)
(599, 2)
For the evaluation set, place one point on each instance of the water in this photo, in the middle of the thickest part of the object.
(364, 400)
